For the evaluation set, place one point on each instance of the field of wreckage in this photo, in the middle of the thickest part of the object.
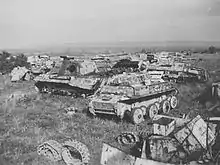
(47, 114)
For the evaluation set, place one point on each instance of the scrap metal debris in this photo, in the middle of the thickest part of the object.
(163, 126)
(71, 110)
(190, 142)
(72, 152)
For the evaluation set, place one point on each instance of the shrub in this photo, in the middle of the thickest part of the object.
(8, 62)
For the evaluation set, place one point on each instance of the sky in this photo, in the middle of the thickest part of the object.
(25, 23)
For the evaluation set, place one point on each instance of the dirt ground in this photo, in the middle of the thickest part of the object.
(28, 122)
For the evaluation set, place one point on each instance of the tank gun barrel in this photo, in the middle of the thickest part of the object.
(67, 57)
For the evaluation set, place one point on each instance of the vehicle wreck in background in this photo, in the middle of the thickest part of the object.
(41, 64)
(74, 78)
(181, 72)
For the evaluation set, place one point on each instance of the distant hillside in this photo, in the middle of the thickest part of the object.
(76, 48)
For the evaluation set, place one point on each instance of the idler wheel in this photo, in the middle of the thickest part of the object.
(174, 102)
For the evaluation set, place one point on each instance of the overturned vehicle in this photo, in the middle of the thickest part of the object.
(73, 78)
(191, 142)
(134, 95)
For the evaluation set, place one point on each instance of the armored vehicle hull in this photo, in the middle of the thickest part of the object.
(131, 95)
(181, 72)
(74, 78)
(65, 85)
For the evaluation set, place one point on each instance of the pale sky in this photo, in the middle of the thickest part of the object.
(26, 23)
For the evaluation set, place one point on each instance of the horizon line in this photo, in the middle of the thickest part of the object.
(96, 43)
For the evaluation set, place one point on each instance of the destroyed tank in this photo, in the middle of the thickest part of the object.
(74, 78)
(41, 64)
(128, 65)
(135, 95)
(181, 72)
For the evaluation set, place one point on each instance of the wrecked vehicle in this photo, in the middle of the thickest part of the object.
(74, 78)
(181, 72)
(127, 65)
(41, 64)
(193, 141)
(134, 95)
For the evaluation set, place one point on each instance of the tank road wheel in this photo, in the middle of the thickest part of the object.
(137, 115)
(165, 106)
(153, 111)
(174, 102)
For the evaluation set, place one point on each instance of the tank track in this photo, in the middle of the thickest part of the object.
(62, 89)
(71, 152)
(75, 148)
(127, 138)
(50, 149)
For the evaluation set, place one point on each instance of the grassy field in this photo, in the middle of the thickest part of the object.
(27, 122)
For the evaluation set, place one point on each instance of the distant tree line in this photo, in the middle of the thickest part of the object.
(8, 62)
(211, 50)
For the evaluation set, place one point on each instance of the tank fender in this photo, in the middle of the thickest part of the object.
(91, 109)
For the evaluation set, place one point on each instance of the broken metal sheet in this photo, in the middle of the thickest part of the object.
(140, 161)
(113, 156)
(195, 135)
(178, 121)
(163, 126)
(165, 149)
